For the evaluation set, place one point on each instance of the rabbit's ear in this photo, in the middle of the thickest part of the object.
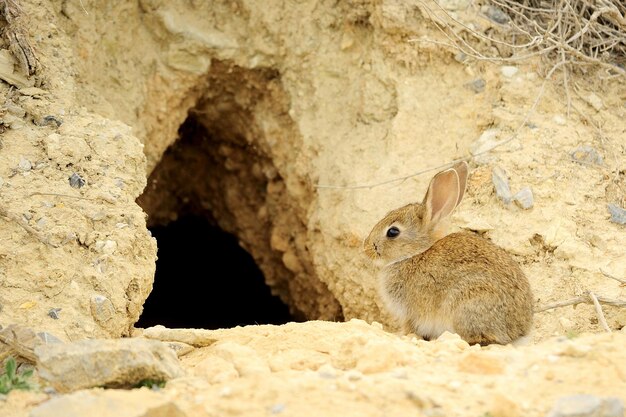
(442, 196)
(461, 170)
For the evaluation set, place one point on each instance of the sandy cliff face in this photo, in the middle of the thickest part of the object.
(296, 127)
(291, 134)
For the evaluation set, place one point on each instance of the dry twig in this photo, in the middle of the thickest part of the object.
(17, 220)
(599, 312)
(581, 300)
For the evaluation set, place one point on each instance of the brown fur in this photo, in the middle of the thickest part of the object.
(461, 283)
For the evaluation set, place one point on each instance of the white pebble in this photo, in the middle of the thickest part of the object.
(24, 164)
(509, 71)
(559, 120)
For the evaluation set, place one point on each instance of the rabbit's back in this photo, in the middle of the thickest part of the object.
(466, 284)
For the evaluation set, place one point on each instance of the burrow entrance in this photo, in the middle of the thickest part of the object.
(230, 236)
(204, 279)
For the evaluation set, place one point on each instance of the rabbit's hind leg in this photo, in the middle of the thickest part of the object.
(477, 324)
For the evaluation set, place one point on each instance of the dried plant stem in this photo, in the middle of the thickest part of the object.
(599, 312)
(62, 195)
(580, 300)
(15, 219)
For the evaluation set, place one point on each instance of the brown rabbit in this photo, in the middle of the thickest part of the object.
(461, 283)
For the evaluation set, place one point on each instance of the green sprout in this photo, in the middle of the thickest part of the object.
(150, 383)
(11, 380)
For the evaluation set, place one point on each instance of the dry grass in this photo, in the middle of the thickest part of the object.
(569, 35)
(579, 33)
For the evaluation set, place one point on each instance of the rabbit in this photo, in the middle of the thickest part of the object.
(461, 283)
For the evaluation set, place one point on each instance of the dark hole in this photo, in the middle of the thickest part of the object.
(204, 279)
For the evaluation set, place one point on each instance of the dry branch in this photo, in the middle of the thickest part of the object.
(576, 30)
(599, 312)
(580, 300)
(17, 220)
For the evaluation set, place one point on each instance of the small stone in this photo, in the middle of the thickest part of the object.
(180, 348)
(454, 4)
(49, 120)
(327, 371)
(594, 101)
(24, 164)
(509, 71)
(585, 405)
(41, 223)
(453, 340)
(109, 403)
(495, 14)
(277, 408)
(76, 181)
(14, 122)
(618, 214)
(102, 308)
(54, 313)
(48, 338)
(566, 324)
(486, 142)
(15, 110)
(585, 154)
(20, 339)
(501, 184)
(460, 57)
(477, 85)
(105, 363)
(559, 120)
(107, 247)
(193, 337)
(524, 198)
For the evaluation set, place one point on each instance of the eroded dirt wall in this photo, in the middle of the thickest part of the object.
(359, 95)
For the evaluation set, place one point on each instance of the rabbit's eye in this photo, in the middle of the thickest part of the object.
(393, 232)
